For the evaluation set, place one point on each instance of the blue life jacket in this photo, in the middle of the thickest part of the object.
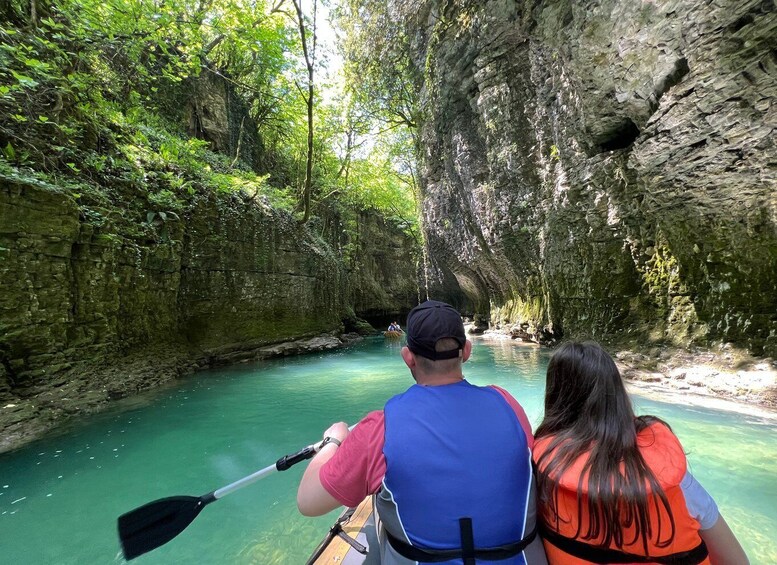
(455, 451)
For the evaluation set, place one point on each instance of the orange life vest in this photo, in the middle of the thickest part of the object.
(665, 457)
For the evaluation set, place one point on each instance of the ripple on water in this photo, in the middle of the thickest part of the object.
(759, 542)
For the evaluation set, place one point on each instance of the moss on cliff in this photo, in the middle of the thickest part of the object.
(630, 199)
(97, 305)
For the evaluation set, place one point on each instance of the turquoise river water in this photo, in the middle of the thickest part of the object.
(60, 497)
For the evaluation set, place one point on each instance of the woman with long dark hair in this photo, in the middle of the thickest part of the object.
(613, 487)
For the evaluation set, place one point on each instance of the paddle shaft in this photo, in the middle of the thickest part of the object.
(280, 465)
(301, 455)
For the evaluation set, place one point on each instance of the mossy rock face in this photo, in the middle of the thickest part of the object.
(134, 255)
(100, 302)
(353, 324)
(249, 274)
(604, 170)
(232, 272)
(383, 278)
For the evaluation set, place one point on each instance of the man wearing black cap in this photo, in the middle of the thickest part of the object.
(449, 462)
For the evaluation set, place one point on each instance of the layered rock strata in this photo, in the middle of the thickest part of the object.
(604, 169)
(101, 300)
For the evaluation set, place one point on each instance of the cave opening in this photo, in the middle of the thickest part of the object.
(620, 137)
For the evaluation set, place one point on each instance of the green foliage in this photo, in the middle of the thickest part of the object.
(64, 79)
(382, 182)
(380, 112)
(94, 91)
(379, 69)
(165, 200)
(185, 164)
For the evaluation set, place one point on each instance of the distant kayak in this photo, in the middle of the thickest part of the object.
(352, 540)
(392, 334)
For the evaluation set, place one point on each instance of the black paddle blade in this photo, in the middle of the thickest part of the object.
(156, 523)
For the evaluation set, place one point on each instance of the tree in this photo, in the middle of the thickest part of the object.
(96, 89)
(383, 88)
(379, 68)
(309, 53)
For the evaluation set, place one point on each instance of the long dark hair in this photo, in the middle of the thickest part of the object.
(587, 410)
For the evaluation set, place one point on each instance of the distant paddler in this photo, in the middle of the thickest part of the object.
(394, 330)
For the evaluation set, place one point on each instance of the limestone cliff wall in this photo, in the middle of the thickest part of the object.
(228, 272)
(249, 273)
(102, 299)
(604, 168)
(212, 111)
(383, 272)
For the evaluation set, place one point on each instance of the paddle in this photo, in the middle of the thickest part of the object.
(157, 522)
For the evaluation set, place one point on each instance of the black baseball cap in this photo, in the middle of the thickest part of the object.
(430, 322)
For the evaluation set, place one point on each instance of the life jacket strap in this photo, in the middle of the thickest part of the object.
(467, 541)
(596, 554)
(466, 553)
